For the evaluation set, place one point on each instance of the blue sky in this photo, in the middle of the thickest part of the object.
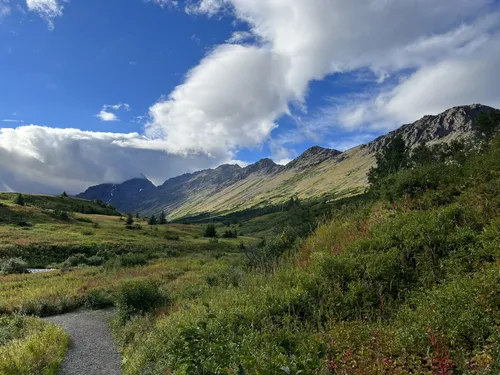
(102, 90)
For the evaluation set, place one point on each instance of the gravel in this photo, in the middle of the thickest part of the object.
(92, 349)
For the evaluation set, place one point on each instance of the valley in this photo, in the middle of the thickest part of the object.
(397, 275)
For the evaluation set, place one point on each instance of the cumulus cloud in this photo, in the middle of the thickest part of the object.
(47, 9)
(230, 100)
(235, 96)
(466, 78)
(106, 115)
(42, 159)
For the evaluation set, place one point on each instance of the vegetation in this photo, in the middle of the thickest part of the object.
(210, 231)
(401, 280)
(29, 346)
(13, 266)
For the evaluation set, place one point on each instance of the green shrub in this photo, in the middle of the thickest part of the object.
(138, 297)
(84, 220)
(95, 261)
(13, 266)
(133, 259)
(76, 260)
(98, 299)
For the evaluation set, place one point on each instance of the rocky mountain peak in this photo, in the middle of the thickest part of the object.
(457, 123)
(265, 165)
(313, 156)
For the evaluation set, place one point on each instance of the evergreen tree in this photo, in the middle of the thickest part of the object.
(137, 215)
(152, 220)
(19, 200)
(130, 219)
(394, 157)
(163, 218)
(64, 195)
(210, 231)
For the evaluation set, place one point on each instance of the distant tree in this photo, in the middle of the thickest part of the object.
(130, 219)
(152, 220)
(163, 218)
(137, 215)
(487, 124)
(64, 195)
(19, 200)
(210, 231)
(394, 157)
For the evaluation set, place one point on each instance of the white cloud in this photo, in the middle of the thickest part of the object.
(239, 37)
(47, 9)
(41, 159)
(163, 3)
(12, 120)
(234, 97)
(208, 7)
(466, 78)
(230, 100)
(4, 9)
(106, 115)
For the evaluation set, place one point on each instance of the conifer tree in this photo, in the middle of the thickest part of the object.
(152, 220)
(163, 218)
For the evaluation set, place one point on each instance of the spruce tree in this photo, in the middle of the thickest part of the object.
(152, 220)
(163, 218)
(19, 200)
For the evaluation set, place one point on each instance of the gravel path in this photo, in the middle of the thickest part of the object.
(92, 349)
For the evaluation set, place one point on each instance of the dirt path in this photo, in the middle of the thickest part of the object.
(92, 349)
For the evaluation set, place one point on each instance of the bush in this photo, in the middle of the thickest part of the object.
(13, 266)
(133, 259)
(84, 220)
(76, 260)
(95, 261)
(138, 297)
(97, 299)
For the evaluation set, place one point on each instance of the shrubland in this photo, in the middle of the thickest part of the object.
(401, 281)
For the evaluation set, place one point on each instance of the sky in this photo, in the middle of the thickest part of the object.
(95, 91)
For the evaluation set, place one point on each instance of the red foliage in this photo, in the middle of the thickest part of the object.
(441, 363)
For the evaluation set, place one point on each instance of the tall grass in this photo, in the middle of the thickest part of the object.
(39, 349)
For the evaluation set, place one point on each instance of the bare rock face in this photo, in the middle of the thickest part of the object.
(457, 123)
(313, 156)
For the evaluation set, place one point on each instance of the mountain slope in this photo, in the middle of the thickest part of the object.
(318, 171)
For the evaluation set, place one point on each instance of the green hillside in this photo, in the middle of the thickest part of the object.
(401, 280)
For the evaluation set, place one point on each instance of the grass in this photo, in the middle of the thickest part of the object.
(30, 346)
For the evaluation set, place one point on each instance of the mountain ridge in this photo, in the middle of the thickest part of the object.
(315, 172)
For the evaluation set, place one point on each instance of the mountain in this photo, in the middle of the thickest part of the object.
(318, 171)
(120, 195)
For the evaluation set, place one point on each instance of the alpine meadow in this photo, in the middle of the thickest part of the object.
(249, 187)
